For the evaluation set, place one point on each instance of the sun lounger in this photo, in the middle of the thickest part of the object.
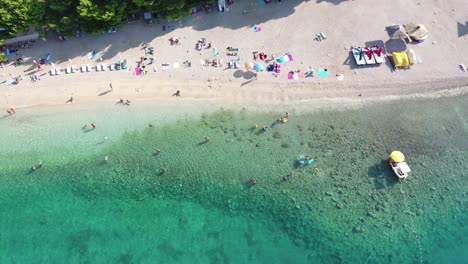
(98, 67)
(112, 67)
(83, 68)
(52, 72)
(74, 68)
(104, 67)
(278, 68)
(231, 63)
(368, 55)
(290, 75)
(231, 49)
(88, 67)
(58, 71)
(68, 70)
(377, 52)
(358, 56)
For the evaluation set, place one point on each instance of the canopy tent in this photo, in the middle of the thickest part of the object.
(397, 156)
(147, 16)
(417, 32)
(397, 32)
(400, 59)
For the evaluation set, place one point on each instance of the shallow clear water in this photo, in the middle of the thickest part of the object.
(345, 208)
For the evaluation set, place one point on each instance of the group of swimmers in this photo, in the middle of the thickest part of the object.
(124, 102)
(279, 120)
(35, 167)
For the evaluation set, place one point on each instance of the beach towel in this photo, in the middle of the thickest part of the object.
(290, 57)
(215, 52)
(257, 29)
(290, 75)
(324, 72)
(296, 76)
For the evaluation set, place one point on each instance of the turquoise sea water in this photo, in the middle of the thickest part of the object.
(347, 207)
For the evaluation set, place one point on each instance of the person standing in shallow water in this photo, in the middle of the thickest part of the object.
(207, 139)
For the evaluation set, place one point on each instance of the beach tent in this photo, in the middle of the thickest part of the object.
(417, 32)
(397, 32)
(400, 59)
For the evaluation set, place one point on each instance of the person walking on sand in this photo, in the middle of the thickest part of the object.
(71, 100)
(177, 93)
(110, 85)
(93, 125)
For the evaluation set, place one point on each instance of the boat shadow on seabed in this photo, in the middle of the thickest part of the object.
(383, 175)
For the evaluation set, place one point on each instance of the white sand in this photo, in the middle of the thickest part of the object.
(286, 27)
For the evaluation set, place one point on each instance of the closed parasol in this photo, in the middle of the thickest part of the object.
(397, 156)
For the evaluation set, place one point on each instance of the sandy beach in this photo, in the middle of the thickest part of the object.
(287, 27)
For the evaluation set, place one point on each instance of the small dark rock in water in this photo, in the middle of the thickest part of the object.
(285, 145)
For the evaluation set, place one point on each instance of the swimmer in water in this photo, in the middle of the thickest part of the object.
(106, 158)
(265, 128)
(164, 169)
(39, 164)
(105, 138)
(207, 139)
(33, 168)
(253, 181)
(158, 151)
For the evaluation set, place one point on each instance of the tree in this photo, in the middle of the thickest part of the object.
(95, 15)
(17, 16)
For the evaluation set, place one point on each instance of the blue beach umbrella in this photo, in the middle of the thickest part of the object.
(258, 66)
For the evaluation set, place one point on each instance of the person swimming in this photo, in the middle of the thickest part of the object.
(265, 128)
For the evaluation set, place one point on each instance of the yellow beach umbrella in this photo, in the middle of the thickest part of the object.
(397, 156)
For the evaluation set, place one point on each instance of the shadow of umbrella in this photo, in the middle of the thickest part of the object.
(462, 29)
(248, 75)
(238, 74)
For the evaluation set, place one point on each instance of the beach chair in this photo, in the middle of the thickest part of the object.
(98, 67)
(89, 67)
(368, 57)
(237, 64)
(104, 67)
(231, 63)
(74, 68)
(278, 68)
(52, 72)
(68, 70)
(58, 71)
(358, 55)
(112, 67)
(378, 54)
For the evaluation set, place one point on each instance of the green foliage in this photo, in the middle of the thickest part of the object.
(92, 16)
(17, 16)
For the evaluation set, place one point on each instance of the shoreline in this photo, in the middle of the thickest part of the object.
(439, 75)
(257, 94)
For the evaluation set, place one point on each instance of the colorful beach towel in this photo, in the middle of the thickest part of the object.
(138, 71)
(323, 72)
(257, 29)
(290, 75)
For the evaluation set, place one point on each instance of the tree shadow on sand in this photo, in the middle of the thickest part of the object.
(134, 35)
